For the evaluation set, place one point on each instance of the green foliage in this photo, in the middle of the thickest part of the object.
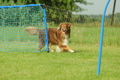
(57, 15)
(116, 18)
(60, 10)
(61, 4)
(96, 18)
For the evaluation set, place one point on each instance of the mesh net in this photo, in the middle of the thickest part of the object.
(56, 15)
(13, 21)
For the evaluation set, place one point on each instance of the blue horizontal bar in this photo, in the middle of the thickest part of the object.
(20, 6)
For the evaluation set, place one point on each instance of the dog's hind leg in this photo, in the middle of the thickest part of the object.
(41, 40)
(58, 49)
(41, 44)
(51, 50)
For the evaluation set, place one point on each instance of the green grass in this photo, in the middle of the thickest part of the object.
(82, 65)
(91, 35)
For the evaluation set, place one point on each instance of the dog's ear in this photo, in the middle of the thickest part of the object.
(65, 23)
(69, 25)
(60, 24)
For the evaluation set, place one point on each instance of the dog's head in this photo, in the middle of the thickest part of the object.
(65, 28)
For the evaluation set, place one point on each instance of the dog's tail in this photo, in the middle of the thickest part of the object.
(39, 33)
(32, 30)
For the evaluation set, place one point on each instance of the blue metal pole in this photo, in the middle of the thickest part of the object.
(46, 27)
(101, 38)
(20, 6)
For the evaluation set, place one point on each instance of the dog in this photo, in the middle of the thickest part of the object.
(56, 36)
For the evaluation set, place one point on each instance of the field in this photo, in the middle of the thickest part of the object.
(81, 65)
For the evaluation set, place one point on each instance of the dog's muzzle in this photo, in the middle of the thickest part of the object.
(63, 30)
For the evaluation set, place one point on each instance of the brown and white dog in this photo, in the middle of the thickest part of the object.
(56, 36)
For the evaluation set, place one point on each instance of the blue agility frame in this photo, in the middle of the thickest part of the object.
(101, 38)
(20, 6)
(46, 32)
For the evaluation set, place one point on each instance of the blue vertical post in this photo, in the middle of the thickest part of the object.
(101, 38)
(46, 31)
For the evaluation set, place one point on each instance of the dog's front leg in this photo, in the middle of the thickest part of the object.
(66, 48)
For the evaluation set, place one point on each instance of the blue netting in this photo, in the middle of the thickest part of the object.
(13, 21)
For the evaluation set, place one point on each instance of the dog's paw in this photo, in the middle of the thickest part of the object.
(72, 51)
(52, 51)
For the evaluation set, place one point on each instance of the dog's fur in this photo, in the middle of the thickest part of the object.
(56, 36)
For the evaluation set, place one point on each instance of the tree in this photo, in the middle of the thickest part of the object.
(61, 4)
(57, 10)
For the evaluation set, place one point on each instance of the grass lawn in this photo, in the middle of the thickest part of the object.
(81, 65)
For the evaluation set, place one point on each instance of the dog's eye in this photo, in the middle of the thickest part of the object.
(68, 27)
